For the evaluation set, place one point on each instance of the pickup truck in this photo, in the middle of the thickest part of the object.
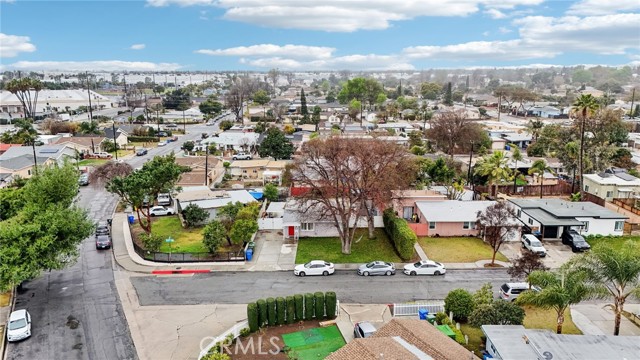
(242, 156)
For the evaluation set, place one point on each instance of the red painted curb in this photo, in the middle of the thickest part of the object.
(171, 272)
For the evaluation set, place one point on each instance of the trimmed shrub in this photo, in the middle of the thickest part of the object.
(319, 305)
(299, 301)
(308, 306)
(443, 319)
(460, 302)
(281, 310)
(244, 332)
(262, 313)
(400, 233)
(252, 317)
(271, 311)
(142, 139)
(330, 300)
(291, 310)
(459, 335)
(498, 312)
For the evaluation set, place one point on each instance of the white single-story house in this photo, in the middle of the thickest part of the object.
(551, 217)
(210, 200)
(233, 140)
(295, 224)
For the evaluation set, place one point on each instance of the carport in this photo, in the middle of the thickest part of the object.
(550, 227)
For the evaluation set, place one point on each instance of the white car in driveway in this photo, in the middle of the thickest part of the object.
(425, 267)
(161, 210)
(534, 245)
(19, 326)
(314, 267)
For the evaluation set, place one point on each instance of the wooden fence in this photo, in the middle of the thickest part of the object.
(627, 204)
(594, 199)
(561, 188)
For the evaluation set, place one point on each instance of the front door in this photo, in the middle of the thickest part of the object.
(292, 231)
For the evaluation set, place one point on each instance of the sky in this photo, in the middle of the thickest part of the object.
(306, 35)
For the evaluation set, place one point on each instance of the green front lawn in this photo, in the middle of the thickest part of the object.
(535, 318)
(457, 249)
(615, 241)
(363, 249)
(185, 240)
(91, 162)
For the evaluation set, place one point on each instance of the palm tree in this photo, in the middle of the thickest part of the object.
(26, 90)
(539, 167)
(516, 156)
(558, 290)
(613, 272)
(584, 106)
(494, 167)
(535, 128)
(89, 127)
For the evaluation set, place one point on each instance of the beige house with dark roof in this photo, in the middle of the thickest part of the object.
(196, 176)
(83, 144)
(404, 339)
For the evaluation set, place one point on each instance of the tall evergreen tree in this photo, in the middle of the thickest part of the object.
(303, 107)
(448, 96)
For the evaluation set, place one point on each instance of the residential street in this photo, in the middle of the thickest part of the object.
(76, 312)
(244, 287)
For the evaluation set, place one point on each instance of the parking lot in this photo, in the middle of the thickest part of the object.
(557, 253)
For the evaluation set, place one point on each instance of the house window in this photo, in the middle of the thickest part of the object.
(609, 194)
(468, 225)
(585, 226)
(519, 214)
(255, 171)
(530, 221)
(306, 226)
(432, 225)
(586, 188)
(244, 171)
(619, 226)
(29, 172)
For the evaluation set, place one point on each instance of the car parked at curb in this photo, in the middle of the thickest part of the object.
(103, 242)
(102, 155)
(534, 245)
(161, 211)
(511, 291)
(102, 228)
(425, 267)
(142, 152)
(242, 156)
(19, 326)
(377, 268)
(575, 241)
(314, 267)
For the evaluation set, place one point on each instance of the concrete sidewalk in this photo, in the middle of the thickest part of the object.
(598, 319)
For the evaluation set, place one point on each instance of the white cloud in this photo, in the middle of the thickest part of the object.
(603, 7)
(203, 15)
(486, 33)
(12, 45)
(504, 30)
(271, 50)
(360, 62)
(495, 14)
(137, 46)
(107, 65)
(341, 15)
(546, 37)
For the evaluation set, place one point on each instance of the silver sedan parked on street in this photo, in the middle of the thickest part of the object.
(377, 268)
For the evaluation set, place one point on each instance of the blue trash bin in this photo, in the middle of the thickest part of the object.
(249, 254)
(131, 219)
(423, 314)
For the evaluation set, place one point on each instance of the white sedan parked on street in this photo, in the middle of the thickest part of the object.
(314, 267)
(19, 326)
(425, 267)
(161, 210)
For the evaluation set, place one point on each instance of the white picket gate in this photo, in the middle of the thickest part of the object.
(413, 308)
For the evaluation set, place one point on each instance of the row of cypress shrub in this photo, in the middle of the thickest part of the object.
(280, 311)
(403, 238)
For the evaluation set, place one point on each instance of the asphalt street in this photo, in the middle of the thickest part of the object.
(245, 287)
(76, 312)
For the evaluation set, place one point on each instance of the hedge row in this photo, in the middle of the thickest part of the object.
(403, 238)
(142, 139)
(279, 311)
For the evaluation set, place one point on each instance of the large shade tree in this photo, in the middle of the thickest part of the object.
(499, 223)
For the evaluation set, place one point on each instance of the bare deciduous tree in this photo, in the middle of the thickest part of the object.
(498, 222)
(527, 263)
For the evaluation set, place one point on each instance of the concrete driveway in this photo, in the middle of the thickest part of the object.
(557, 253)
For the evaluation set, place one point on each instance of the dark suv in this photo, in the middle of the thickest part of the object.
(102, 228)
(575, 241)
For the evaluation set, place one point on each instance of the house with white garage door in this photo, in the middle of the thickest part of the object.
(551, 217)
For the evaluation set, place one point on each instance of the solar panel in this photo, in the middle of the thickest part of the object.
(627, 177)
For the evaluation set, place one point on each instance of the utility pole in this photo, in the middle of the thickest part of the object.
(115, 144)
(206, 165)
(633, 99)
(89, 94)
(126, 102)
